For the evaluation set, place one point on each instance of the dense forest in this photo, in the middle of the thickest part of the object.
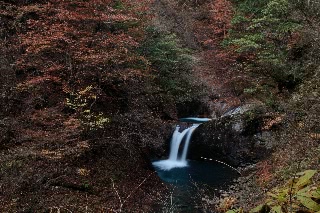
(91, 91)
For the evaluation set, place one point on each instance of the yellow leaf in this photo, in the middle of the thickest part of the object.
(305, 179)
(309, 203)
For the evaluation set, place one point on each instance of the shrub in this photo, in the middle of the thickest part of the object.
(172, 62)
(262, 30)
(81, 102)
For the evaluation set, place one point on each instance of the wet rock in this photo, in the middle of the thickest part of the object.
(236, 139)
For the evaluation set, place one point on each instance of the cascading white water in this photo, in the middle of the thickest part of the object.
(187, 142)
(174, 160)
(175, 143)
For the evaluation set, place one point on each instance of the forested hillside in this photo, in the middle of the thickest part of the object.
(85, 103)
(91, 91)
(276, 44)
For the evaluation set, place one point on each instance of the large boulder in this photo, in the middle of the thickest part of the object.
(237, 139)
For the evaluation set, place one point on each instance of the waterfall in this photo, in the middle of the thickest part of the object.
(175, 143)
(186, 146)
(176, 161)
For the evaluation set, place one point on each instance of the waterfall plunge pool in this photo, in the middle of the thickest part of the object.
(208, 173)
(189, 185)
(188, 177)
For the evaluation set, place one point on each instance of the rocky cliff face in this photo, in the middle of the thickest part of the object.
(235, 139)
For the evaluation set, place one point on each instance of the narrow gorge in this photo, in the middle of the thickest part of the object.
(159, 106)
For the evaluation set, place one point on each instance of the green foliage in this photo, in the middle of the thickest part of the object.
(235, 211)
(250, 90)
(265, 26)
(250, 6)
(257, 209)
(299, 193)
(166, 54)
(81, 102)
(172, 62)
(248, 43)
(263, 29)
(118, 5)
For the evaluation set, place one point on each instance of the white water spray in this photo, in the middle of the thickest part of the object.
(187, 142)
(174, 160)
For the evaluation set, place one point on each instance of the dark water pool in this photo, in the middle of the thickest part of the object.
(210, 173)
(187, 184)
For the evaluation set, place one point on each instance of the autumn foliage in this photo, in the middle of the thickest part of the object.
(74, 63)
(74, 44)
(216, 63)
(221, 17)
